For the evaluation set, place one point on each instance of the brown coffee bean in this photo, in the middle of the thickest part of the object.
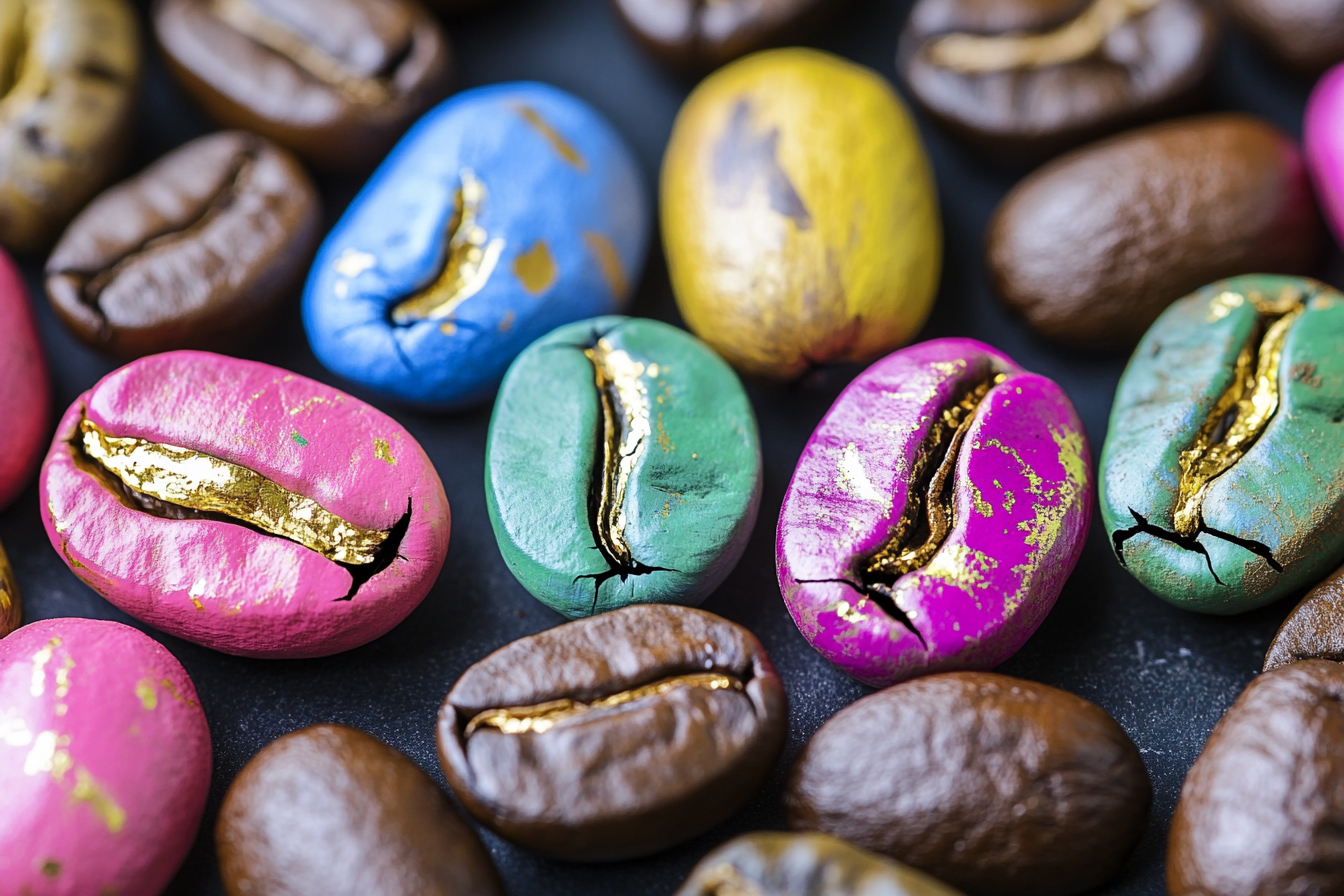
(1305, 35)
(1262, 810)
(191, 253)
(695, 36)
(995, 785)
(1315, 628)
(332, 810)
(69, 70)
(1094, 246)
(1025, 79)
(337, 81)
(614, 736)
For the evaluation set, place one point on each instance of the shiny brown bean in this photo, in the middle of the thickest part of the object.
(1314, 629)
(695, 36)
(614, 736)
(1305, 35)
(191, 253)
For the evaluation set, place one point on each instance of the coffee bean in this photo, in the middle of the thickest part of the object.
(1222, 477)
(1323, 146)
(1024, 79)
(70, 73)
(1305, 35)
(995, 785)
(508, 211)
(694, 37)
(335, 811)
(799, 215)
(935, 514)
(25, 392)
(104, 760)
(11, 602)
(1092, 247)
(766, 864)
(1261, 810)
(616, 736)
(1315, 628)
(194, 252)
(337, 81)
(243, 507)
(644, 446)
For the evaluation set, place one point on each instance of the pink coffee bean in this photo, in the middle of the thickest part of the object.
(25, 393)
(1323, 144)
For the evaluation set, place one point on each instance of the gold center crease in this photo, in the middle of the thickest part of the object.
(624, 401)
(542, 717)
(1080, 37)
(1242, 412)
(208, 484)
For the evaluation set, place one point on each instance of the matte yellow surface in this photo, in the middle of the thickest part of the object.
(799, 214)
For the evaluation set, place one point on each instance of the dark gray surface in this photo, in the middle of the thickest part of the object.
(1165, 674)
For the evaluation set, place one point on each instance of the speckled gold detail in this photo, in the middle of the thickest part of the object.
(1076, 39)
(209, 484)
(48, 755)
(1221, 305)
(609, 260)
(961, 567)
(535, 268)
(11, 604)
(982, 507)
(383, 451)
(562, 147)
(149, 697)
(624, 401)
(542, 717)
(40, 660)
(51, 868)
(470, 259)
(87, 790)
(851, 613)
(725, 880)
(1242, 412)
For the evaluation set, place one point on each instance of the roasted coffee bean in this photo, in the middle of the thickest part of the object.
(25, 392)
(243, 507)
(1323, 146)
(69, 70)
(337, 81)
(1094, 246)
(995, 785)
(104, 760)
(1024, 79)
(615, 736)
(334, 811)
(694, 36)
(1222, 477)
(11, 602)
(1262, 810)
(940, 538)
(772, 864)
(1315, 628)
(194, 252)
(799, 216)
(1305, 35)
(508, 211)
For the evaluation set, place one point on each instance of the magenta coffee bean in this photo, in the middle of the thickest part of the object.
(935, 514)
(244, 507)
(25, 393)
(104, 761)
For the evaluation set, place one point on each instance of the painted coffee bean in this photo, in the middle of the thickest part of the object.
(645, 447)
(71, 69)
(616, 736)
(1324, 146)
(695, 37)
(799, 215)
(507, 211)
(764, 864)
(1315, 628)
(335, 811)
(935, 514)
(11, 602)
(104, 760)
(995, 785)
(194, 252)
(243, 507)
(1305, 35)
(1024, 79)
(1222, 478)
(25, 391)
(337, 81)
(1261, 811)
(1094, 246)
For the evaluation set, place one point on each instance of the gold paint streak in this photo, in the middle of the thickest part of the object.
(87, 790)
(982, 507)
(961, 567)
(609, 260)
(625, 429)
(11, 602)
(63, 678)
(726, 880)
(535, 268)
(470, 260)
(978, 54)
(383, 451)
(209, 484)
(40, 660)
(144, 689)
(563, 148)
(542, 717)
(1241, 414)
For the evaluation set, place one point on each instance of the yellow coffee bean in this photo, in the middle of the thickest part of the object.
(799, 214)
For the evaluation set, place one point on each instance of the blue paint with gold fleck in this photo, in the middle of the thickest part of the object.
(505, 212)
